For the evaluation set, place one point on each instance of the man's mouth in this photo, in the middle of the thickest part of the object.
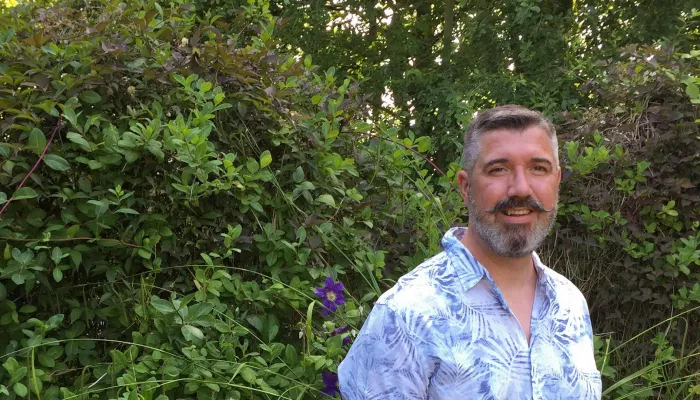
(517, 211)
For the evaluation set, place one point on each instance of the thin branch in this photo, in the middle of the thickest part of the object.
(72, 239)
(402, 145)
(41, 157)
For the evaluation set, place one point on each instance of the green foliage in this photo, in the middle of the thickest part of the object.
(427, 66)
(631, 194)
(192, 187)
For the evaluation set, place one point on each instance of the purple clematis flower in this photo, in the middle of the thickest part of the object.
(340, 331)
(330, 382)
(332, 295)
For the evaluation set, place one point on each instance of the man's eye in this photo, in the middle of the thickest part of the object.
(540, 168)
(497, 170)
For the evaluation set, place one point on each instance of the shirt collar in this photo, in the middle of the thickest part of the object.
(470, 271)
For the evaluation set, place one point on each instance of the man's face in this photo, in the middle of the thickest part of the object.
(513, 190)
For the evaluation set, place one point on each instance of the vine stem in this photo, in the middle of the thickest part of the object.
(136, 246)
(419, 154)
(36, 164)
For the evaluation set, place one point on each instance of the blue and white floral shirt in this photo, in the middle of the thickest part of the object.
(445, 332)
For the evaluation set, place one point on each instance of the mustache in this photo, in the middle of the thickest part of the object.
(515, 202)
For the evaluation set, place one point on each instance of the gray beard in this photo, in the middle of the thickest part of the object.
(510, 240)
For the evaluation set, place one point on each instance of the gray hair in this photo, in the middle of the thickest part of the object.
(509, 117)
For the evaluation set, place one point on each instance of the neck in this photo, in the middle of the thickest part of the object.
(507, 272)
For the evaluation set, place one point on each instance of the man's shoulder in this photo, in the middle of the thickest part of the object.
(427, 289)
(566, 292)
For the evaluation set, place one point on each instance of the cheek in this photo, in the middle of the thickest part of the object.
(492, 192)
(546, 193)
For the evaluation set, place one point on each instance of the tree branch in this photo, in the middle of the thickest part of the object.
(41, 157)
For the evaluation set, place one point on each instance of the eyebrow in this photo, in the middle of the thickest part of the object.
(495, 161)
(505, 161)
(542, 160)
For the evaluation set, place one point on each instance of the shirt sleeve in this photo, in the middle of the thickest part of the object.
(596, 381)
(386, 361)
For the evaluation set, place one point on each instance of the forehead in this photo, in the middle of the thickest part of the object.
(513, 144)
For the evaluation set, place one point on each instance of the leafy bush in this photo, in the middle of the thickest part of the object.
(629, 219)
(187, 190)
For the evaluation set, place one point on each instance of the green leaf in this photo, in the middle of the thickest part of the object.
(136, 63)
(20, 389)
(326, 199)
(170, 370)
(692, 91)
(69, 114)
(144, 253)
(161, 305)
(47, 361)
(334, 344)
(11, 365)
(207, 259)
(198, 310)
(56, 162)
(265, 159)
(206, 86)
(56, 255)
(301, 234)
(180, 79)
(271, 258)
(3, 198)
(252, 165)
(18, 279)
(222, 327)
(76, 257)
(127, 211)
(57, 274)
(290, 356)
(363, 126)
(272, 330)
(236, 232)
(77, 139)
(423, 144)
(249, 375)
(100, 206)
(90, 97)
(55, 321)
(94, 164)
(18, 374)
(298, 175)
(24, 193)
(37, 141)
(191, 332)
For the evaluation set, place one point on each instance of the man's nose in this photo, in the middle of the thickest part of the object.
(519, 185)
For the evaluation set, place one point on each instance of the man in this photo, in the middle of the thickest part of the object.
(485, 319)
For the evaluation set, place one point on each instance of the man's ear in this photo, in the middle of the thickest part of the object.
(463, 182)
(559, 174)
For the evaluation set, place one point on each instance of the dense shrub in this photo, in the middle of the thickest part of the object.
(629, 217)
(192, 188)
